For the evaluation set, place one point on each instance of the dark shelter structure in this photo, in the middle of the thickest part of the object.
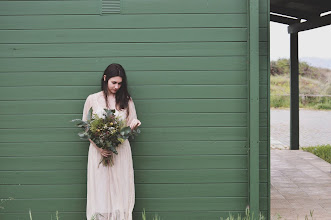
(299, 15)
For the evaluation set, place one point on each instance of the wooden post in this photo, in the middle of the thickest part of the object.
(254, 168)
(294, 120)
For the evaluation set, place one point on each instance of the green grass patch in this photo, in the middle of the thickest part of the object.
(322, 151)
(283, 101)
(277, 101)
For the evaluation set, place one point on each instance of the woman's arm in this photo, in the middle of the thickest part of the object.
(133, 122)
(87, 106)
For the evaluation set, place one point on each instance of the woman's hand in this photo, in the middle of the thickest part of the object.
(104, 153)
(134, 124)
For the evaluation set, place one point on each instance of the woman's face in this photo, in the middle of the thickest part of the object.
(114, 84)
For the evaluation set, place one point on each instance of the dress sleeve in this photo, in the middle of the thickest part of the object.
(87, 106)
(132, 112)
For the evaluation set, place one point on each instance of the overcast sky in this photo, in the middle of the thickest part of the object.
(312, 43)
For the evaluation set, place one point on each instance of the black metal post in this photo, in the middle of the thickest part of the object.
(294, 62)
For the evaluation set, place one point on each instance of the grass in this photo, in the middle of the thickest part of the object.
(248, 216)
(322, 151)
(56, 215)
(143, 216)
(318, 103)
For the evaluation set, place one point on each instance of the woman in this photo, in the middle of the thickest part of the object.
(110, 189)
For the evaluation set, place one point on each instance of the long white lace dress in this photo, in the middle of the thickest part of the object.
(110, 189)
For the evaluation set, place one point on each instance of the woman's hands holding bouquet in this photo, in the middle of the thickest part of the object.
(107, 133)
(103, 152)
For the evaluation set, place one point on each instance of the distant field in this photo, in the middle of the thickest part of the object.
(314, 86)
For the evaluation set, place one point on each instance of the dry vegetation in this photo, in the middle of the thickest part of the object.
(314, 85)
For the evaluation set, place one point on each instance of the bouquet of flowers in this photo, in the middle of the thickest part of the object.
(107, 132)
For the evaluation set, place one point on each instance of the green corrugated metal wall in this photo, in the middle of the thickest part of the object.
(187, 65)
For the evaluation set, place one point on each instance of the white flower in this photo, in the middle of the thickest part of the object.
(100, 113)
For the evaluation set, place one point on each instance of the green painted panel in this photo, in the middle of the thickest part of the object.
(78, 148)
(263, 52)
(123, 35)
(48, 7)
(159, 204)
(140, 162)
(183, 215)
(185, 204)
(141, 176)
(264, 7)
(191, 162)
(264, 36)
(138, 148)
(264, 78)
(197, 168)
(124, 49)
(263, 119)
(141, 190)
(148, 120)
(46, 215)
(120, 21)
(185, 6)
(264, 106)
(187, 215)
(151, 106)
(134, 78)
(264, 145)
(134, 63)
(262, 21)
(45, 205)
(53, 177)
(43, 191)
(147, 134)
(78, 176)
(130, 6)
(263, 63)
(143, 92)
(190, 148)
(264, 133)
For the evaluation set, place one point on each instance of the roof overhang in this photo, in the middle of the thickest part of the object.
(301, 15)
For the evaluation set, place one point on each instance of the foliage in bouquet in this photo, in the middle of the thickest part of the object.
(107, 132)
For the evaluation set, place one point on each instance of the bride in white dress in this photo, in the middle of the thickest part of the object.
(110, 189)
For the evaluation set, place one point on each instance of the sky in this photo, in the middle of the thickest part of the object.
(312, 43)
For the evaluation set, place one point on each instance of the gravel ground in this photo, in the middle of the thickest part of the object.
(315, 127)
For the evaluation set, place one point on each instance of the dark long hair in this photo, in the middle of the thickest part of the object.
(122, 95)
